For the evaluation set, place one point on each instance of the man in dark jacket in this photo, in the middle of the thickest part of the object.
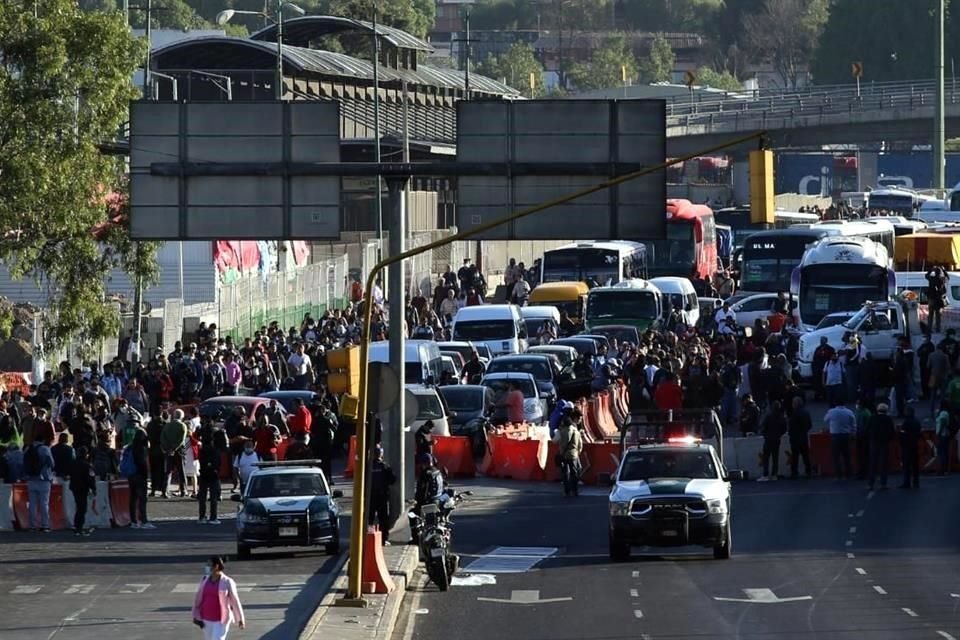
(158, 467)
(799, 428)
(880, 432)
(209, 484)
(63, 456)
(83, 483)
(382, 479)
(910, 439)
(773, 426)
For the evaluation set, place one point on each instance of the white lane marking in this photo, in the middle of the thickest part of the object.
(850, 556)
(637, 614)
(510, 560)
(870, 495)
(910, 612)
(247, 588)
(525, 597)
(945, 635)
(25, 589)
(134, 588)
(849, 515)
(422, 612)
(879, 589)
(473, 580)
(849, 543)
(853, 529)
(860, 513)
(636, 574)
(955, 595)
(185, 587)
(861, 571)
(80, 588)
(634, 593)
(762, 596)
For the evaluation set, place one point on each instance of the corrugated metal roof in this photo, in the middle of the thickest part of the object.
(242, 53)
(301, 31)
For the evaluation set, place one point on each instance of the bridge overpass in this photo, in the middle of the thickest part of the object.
(891, 112)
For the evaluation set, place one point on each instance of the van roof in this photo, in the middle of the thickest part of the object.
(567, 287)
(671, 281)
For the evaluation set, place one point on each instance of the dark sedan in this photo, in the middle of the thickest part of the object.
(468, 403)
(583, 345)
(288, 399)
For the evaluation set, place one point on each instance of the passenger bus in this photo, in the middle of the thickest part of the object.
(738, 219)
(894, 200)
(839, 274)
(594, 262)
(769, 257)
(691, 242)
(633, 302)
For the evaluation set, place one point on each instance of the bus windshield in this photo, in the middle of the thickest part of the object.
(675, 254)
(622, 304)
(832, 288)
(581, 265)
(768, 262)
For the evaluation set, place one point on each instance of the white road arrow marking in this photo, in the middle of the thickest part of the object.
(762, 596)
(25, 589)
(525, 597)
(134, 588)
(80, 588)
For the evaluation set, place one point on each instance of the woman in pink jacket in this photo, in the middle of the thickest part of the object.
(216, 604)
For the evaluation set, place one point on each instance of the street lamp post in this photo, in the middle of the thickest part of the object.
(226, 15)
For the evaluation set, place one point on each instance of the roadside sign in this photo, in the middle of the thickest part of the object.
(856, 69)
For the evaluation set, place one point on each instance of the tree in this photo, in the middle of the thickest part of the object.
(724, 80)
(785, 32)
(726, 40)
(515, 67)
(65, 86)
(606, 67)
(892, 39)
(414, 16)
(690, 16)
(659, 63)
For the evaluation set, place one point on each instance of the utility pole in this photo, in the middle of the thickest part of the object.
(378, 200)
(938, 118)
(466, 77)
(561, 75)
(279, 80)
(146, 65)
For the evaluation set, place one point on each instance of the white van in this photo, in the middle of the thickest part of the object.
(421, 360)
(534, 317)
(430, 406)
(678, 293)
(498, 326)
(916, 281)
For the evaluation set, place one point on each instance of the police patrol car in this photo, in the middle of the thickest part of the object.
(671, 494)
(287, 504)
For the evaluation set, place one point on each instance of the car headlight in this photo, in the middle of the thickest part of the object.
(319, 509)
(619, 508)
(253, 513)
(717, 507)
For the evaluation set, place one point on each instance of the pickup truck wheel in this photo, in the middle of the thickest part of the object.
(244, 552)
(333, 547)
(724, 550)
(619, 550)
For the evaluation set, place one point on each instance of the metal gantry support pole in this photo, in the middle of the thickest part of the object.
(146, 65)
(466, 66)
(378, 201)
(279, 79)
(939, 180)
(394, 434)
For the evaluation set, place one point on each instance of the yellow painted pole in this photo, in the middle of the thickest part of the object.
(357, 526)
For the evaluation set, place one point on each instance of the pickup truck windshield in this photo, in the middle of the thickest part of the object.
(667, 464)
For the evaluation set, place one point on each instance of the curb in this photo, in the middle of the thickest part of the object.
(403, 575)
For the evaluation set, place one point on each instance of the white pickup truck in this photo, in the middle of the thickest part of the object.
(878, 324)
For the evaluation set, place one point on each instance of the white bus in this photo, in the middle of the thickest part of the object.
(770, 257)
(595, 262)
(838, 274)
(894, 200)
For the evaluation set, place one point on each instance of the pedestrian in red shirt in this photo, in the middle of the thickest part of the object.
(301, 420)
(668, 395)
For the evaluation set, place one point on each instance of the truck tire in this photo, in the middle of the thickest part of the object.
(619, 550)
(724, 550)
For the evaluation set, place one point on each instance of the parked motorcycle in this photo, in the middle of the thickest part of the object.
(432, 526)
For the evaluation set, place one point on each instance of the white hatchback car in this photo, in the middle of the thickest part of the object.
(534, 404)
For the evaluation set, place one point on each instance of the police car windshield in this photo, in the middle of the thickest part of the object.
(643, 465)
(281, 485)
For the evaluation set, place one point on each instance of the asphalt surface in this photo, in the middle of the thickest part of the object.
(126, 583)
(878, 565)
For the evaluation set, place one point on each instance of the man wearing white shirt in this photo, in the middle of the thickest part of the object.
(300, 367)
(833, 380)
(725, 320)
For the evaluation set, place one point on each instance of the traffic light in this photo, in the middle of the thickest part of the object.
(344, 370)
(761, 187)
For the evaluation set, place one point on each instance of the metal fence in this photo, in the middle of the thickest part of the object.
(250, 303)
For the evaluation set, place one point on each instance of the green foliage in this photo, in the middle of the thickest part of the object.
(167, 14)
(893, 39)
(709, 77)
(65, 86)
(658, 65)
(785, 32)
(605, 68)
(414, 16)
(577, 15)
(515, 67)
(668, 15)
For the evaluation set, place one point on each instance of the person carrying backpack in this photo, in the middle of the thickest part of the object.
(38, 470)
(209, 478)
(134, 467)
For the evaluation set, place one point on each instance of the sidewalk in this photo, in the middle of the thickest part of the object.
(376, 621)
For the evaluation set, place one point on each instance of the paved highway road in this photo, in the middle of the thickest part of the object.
(812, 559)
(126, 583)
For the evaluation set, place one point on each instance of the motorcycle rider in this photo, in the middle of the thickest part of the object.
(570, 443)
(430, 486)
